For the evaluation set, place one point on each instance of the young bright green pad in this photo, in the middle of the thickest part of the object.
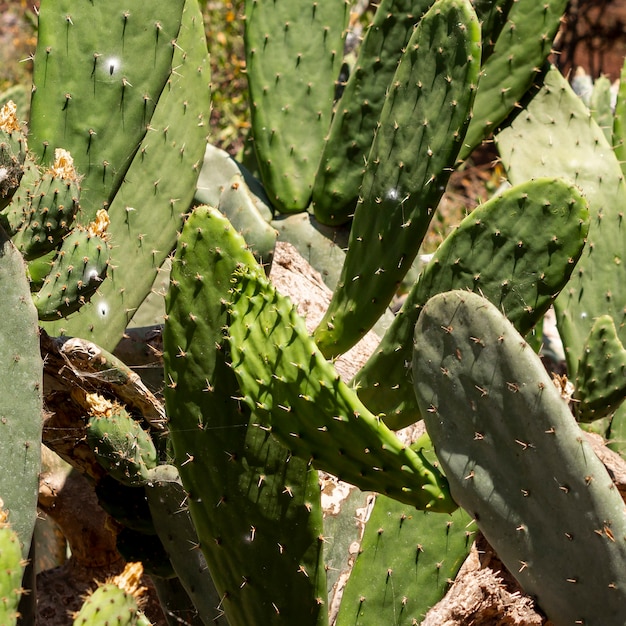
(50, 208)
(422, 125)
(21, 404)
(255, 508)
(342, 164)
(523, 45)
(77, 272)
(294, 50)
(96, 89)
(497, 251)
(517, 461)
(555, 135)
(406, 561)
(115, 602)
(146, 213)
(601, 380)
(11, 571)
(301, 400)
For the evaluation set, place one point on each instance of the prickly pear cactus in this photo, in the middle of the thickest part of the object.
(50, 208)
(555, 135)
(21, 405)
(405, 561)
(518, 462)
(78, 269)
(12, 152)
(116, 602)
(336, 187)
(601, 380)
(256, 508)
(301, 399)
(523, 45)
(497, 251)
(294, 50)
(120, 444)
(154, 182)
(420, 132)
(96, 89)
(11, 570)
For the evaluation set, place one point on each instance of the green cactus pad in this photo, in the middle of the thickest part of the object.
(342, 164)
(76, 273)
(14, 216)
(302, 401)
(619, 121)
(158, 188)
(256, 509)
(499, 252)
(422, 125)
(405, 562)
(601, 381)
(555, 135)
(12, 153)
(518, 462)
(96, 89)
(114, 603)
(21, 403)
(601, 108)
(121, 446)
(294, 50)
(237, 203)
(11, 571)
(524, 43)
(167, 500)
(493, 17)
(52, 206)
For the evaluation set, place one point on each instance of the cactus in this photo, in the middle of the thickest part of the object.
(257, 517)
(400, 193)
(517, 460)
(600, 385)
(11, 569)
(497, 251)
(51, 208)
(221, 501)
(406, 560)
(293, 52)
(146, 175)
(96, 90)
(167, 501)
(21, 402)
(575, 149)
(340, 171)
(12, 153)
(304, 403)
(619, 121)
(121, 446)
(524, 43)
(78, 269)
(116, 602)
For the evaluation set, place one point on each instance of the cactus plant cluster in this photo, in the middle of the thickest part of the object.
(218, 494)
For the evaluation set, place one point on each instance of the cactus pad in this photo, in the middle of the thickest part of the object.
(518, 462)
